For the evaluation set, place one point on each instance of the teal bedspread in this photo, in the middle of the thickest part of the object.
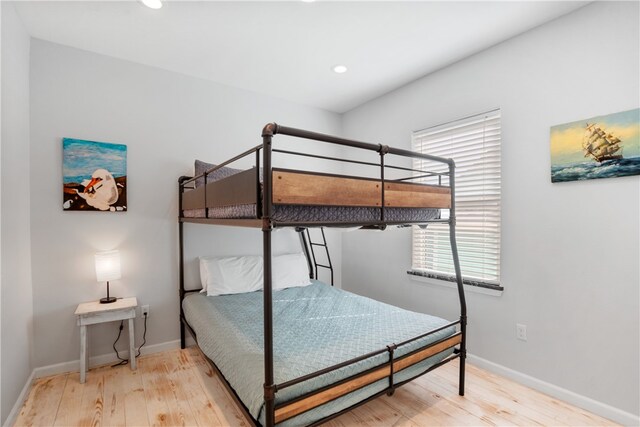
(313, 327)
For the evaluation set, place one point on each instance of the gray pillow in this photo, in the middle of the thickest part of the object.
(224, 172)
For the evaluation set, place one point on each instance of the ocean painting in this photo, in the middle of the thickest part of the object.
(598, 147)
(94, 176)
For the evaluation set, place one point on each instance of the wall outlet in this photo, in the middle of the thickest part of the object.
(521, 331)
(144, 309)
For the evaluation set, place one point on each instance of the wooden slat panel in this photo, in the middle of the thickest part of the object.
(193, 199)
(291, 410)
(297, 188)
(406, 195)
(237, 189)
(295, 408)
(406, 361)
(293, 188)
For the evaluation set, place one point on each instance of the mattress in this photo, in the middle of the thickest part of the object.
(306, 213)
(313, 327)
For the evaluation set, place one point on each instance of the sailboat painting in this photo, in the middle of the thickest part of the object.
(94, 176)
(598, 147)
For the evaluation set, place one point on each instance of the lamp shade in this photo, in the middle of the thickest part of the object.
(108, 266)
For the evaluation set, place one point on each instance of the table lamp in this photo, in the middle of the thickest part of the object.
(108, 268)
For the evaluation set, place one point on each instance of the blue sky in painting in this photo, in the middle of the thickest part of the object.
(81, 158)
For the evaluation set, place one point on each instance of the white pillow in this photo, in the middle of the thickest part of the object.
(289, 271)
(231, 275)
(204, 271)
(234, 275)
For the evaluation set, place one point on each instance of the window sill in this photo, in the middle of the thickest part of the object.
(453, 285)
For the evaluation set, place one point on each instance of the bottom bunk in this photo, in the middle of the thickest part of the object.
(315, 327)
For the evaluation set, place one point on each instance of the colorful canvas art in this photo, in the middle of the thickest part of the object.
(94, 176)
(598, 147)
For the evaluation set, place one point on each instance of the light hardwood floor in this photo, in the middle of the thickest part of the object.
(178, 387)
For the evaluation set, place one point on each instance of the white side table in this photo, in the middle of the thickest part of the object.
(90, 313)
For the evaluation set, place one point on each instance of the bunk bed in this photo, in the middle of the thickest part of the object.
(315, 373)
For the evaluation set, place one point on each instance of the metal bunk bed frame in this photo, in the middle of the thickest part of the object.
(281, 412)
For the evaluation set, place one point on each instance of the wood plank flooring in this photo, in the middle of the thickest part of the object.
(179, 388)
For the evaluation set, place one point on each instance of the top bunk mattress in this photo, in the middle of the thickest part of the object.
(314, 327)
(308, 213)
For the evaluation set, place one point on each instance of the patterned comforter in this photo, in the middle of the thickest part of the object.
(313, 327)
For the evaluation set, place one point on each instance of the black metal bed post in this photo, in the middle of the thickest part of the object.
(269, 385)
(181, 239)
(456, 264)
(383, 150)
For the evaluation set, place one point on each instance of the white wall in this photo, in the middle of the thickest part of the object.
(571, 251)
(582, 318)
(16, 292)
(166, 120)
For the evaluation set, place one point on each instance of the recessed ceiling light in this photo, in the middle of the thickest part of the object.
(152, 4)
(340, 69)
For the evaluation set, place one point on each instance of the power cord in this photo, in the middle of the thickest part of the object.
(122, 361)
(144, 341)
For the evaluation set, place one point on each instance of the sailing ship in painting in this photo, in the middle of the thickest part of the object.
(600, 145)
(610, 144)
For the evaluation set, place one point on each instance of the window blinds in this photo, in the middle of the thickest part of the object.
(474, 144)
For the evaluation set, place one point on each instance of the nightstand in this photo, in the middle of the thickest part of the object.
(90, 313)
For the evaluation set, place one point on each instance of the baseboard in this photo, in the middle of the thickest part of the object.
(103, 359)
(11, 418)
(591, 405)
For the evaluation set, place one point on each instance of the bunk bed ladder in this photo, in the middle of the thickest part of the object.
(312, 244)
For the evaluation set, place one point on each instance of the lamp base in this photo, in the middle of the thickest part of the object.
(107, 300)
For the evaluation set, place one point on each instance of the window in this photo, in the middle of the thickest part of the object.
(474, 145)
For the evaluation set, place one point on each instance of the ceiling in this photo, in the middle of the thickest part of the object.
(287, 49)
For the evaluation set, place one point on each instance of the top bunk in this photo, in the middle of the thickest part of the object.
(268, 196)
